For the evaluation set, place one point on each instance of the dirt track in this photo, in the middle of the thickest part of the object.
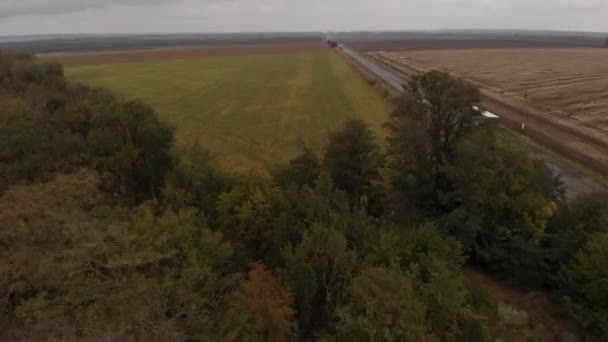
(567, 137)
(79, 59)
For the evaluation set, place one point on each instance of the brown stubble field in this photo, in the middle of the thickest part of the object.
(567, 104)
(566, 82)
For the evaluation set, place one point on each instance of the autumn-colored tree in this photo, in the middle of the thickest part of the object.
(268, 298)
(261, 310)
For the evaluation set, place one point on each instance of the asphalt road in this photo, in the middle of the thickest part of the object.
(386, 75)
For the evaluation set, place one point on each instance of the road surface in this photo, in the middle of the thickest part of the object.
(381, 72)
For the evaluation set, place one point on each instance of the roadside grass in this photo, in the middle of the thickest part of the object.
(252, 112)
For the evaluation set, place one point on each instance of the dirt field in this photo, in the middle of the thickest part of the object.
(418, 45)
(567, 82)
(567, 106)
(136, 56)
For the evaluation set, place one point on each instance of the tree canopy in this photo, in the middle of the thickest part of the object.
(112, 230)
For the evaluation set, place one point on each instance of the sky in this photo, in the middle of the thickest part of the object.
(21, 17)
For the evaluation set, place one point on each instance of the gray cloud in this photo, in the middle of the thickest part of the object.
(138, 16)
(15, 8)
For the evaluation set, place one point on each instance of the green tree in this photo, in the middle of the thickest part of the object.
(318, 271)
(442, 104)
(138, 170)
(383, 307)
(196, 182)
(303, 170)
(433, 264)
(587, 285)
(423, 132)
(567, 231)
(353, 160)
(246, 213)
(507, 199)
(76, 270)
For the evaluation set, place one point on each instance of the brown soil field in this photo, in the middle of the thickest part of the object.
(567, 104)
(134, 56)
(566, 82)
(419, 45)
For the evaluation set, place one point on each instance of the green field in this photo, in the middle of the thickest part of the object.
(251, 111)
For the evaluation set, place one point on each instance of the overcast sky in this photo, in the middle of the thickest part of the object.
(159, 16)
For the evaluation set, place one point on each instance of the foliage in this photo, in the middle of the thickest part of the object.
(506, 201)
(261, 310)
(196, 182)
(61, 127)
(423, 132)
(318, 271)
(304, 170)
(587, 284)
(383, 307)
(353, 160)
(434, 264)
(73, 273)
(137, 171)
(245, 216)
(443, 105)
(162, 252)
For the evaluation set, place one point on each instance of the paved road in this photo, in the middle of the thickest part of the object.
(575, 182)
(386, 75)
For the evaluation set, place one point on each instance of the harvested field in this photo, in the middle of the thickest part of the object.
(566, 82)
(252, 111)
(159, 54)
(567, 103)
(460, 44)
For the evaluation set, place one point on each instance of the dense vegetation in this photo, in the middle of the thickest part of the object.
(110, 231)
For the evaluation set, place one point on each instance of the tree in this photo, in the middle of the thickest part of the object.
(70, 273)
(261, 310)
(383, 307)
(137, 171)
(567, 231)
(318, 271)
(433, 264)
(444, 106)
(196, 182)
(423, 132)
(587, 285)
(353, 160)
(506, 200)
(245, 217)
(303, 170)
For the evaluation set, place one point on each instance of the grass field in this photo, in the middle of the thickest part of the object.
(252, 111)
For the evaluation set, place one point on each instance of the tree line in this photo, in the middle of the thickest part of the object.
(110, 230)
